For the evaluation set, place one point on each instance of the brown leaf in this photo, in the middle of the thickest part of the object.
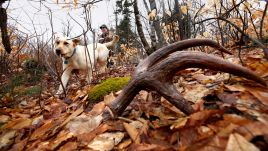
(7, 138)
(204, 132)
(61, 137)
(236, 119)
(4, 118)
(235, 88)
(18, 123)
(201, 78)
(73, 115)
(179, 123)
(187, 137)
(227, 97)
(70, 146)
(97, 109)
(260, 93)
(19, 146)
(124, 144)
(147, 147)
(54, 110)
(84, 124)
(252, 130)
(199, 118)
(132, 132)
(106, 141)
(86, 138)
(195, 92)
(237, 142)
(108, 99)
(44, 129)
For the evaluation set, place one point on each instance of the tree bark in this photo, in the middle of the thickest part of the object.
(3, 26)
(156, 25)
(139, 29)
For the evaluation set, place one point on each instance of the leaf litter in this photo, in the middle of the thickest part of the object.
(231, 114)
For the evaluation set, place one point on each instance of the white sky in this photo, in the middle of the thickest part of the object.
(25, 10)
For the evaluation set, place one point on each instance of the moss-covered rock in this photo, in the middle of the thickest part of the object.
(98, 92)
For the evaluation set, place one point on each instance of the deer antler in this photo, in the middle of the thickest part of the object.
(157, 71)
(178, 46)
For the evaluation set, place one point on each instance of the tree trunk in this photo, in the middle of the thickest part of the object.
(3, 26)
(156, 25)
(139, 28)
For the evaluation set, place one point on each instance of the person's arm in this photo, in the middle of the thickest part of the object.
(101, 38)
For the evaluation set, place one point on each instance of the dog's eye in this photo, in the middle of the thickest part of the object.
(66, 43)
(57, 42)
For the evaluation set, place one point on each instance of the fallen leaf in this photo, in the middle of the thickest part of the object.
(236, 119)
(55, 110)
(106, 141)
(69, 146)
(204, 132)
(203, 79)
(132, 132)
(229, 98)
(84, 124)
(260, 93)
(179, 123)
(44, 130)
(260, 67)
(235, 88)
(124, 144)
(4, 118)
(37, 120)
(108, 99)
(187, 137)
(144, 95)
(86, 138)
(147, 147)
(18, 123)
(7, 138)
(80, 94)
(97, 109)
(199, 118)
(253, 129)
(19, 146)
(73, 115)
(195, 92)
(237, 142)
(61, 137)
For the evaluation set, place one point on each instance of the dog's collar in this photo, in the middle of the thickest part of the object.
(66, 59)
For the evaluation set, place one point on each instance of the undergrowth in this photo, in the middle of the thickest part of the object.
(23, 83)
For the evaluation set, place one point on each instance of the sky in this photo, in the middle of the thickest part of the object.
(24, 13)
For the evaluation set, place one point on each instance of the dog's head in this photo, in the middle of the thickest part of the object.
(64, 47)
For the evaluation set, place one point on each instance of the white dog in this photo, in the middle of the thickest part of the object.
(75, 56)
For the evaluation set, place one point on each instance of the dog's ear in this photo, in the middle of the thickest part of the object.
(76, 41)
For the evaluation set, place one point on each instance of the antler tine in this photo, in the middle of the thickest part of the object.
(185, 59)
(177, 46)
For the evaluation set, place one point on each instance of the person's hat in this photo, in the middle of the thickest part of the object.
(103, 26)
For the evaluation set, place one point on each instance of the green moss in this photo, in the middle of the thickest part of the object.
(33, 90)
(106, 87)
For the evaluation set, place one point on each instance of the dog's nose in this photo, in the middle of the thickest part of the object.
(58, 52)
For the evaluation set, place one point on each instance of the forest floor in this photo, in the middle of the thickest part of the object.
(231, 114)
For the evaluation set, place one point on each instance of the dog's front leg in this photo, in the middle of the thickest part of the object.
(64, 79)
